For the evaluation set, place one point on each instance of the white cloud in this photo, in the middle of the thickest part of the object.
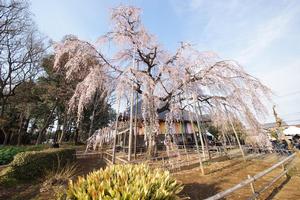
(283, 79)
(265, 35)
(262, 36)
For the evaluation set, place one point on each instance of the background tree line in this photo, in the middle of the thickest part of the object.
(33, 96)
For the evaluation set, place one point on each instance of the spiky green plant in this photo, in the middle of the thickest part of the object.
(125, 182)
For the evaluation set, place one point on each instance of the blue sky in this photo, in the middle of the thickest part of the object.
(262, 35)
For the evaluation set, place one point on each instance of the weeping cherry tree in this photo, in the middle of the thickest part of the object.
(166, 81)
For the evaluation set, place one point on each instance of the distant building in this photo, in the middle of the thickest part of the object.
(270, 129)
(182, 125)
(268, 126)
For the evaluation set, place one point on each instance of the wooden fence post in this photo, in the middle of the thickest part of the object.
(283, 169)
(252, 186)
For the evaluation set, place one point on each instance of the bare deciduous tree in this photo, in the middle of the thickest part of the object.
(21, 48)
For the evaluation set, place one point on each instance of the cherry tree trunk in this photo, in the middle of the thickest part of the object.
(152, 147)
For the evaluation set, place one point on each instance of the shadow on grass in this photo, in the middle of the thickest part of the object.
(199, 190)
(20, 191)
(236, 162)
(278, 188)
(87, 165)
(17, 190)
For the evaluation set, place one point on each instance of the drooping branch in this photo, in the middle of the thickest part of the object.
(165, 80)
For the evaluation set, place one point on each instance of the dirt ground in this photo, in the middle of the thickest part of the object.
(225, 174)
(32, 191)
(291, 191)
(219, 176)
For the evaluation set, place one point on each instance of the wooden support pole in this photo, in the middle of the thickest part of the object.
(199, 129)
(116, 131)
(130, 128)
(131, 116)
(229, 140)
(196, 141)
(236, 135)
(136, 118)
(224, 142)
(204, 135)
(182, 127)
(135, 124)
(284, 169)
(182, 136)
(238, 140)
(252, 186)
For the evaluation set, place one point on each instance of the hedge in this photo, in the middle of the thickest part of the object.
(7, 153)
(32, 165)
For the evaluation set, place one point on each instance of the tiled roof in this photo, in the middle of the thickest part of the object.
(162, 115)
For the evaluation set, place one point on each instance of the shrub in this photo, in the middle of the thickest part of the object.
(32, 165)
(125, 182)
(7, 153)
(57, 180)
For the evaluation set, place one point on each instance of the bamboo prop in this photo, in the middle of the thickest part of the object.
(131, 116)
(119, 139)
(130, 126)
(199, 129)
(182, 136)
(196, 141)
(123, 140)
(135, 117)
(235, 134)
(197, 146)
(205, 136)
(224, 142)
(116, 132)
(135, 123)
(182, 128)
(228, 139)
